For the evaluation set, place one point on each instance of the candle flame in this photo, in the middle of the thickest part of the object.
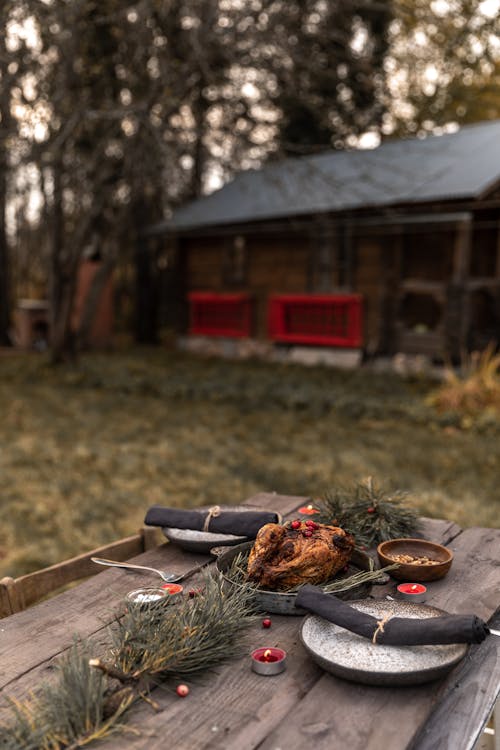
(309, 507)
(267, 653)
(414, 588)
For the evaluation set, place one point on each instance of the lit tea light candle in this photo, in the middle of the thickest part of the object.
(308, 510)
(412, 592)
(268, 661)
(173, 589)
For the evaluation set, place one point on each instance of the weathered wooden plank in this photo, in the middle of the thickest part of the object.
(19, 593)
(284, 504)
(235, 709)
(48, 629)
(238, 710)
(466, 700)
(438, 530)
(35, 635)
(473, 583)
(365, 717)
(336, 713)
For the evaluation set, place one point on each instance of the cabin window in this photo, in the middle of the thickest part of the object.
(428, 256)
(235, 262)
(419, 313)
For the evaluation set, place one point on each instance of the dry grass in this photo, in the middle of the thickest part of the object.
(85, 451)
(475, 390)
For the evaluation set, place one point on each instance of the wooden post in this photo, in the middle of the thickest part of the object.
(458, 307)
(10, 597)
(149, 536)
(323, 259)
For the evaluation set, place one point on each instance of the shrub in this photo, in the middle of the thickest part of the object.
(474, 389)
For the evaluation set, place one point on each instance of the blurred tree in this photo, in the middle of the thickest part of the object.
(5, 131)
(141, 106)
(15, 62)
(443, 65)
(328, 65)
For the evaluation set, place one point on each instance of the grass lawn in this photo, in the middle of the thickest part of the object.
(85, 451)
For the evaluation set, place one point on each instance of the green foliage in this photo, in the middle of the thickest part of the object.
(88, 697)
(192, 636)
(85, 451)
(369, 512)
(68, 712)
(446, 66)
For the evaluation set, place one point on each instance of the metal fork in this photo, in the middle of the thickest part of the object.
(168, 577)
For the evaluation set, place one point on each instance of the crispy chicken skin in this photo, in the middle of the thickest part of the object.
(283, 557)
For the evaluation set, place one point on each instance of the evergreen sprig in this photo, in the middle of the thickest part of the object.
(68, 712)
(369, 512)
(192, 636)
(88, 697)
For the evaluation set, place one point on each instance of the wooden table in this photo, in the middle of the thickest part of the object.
(235, 709)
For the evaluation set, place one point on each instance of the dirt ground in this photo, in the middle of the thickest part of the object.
(86, 450)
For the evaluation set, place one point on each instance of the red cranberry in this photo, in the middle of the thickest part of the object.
(312, 524)
(266, 622)
(295, 524)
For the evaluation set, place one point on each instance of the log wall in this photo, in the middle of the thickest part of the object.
(402, 272)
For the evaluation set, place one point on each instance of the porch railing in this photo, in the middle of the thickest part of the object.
(322, 320)
(213, 314)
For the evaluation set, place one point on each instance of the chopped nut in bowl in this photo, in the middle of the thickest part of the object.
(419, 560)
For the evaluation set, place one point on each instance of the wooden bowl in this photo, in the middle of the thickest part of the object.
(417, 548)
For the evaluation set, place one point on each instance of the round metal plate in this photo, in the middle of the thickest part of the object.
(357, 659)
(282, 602)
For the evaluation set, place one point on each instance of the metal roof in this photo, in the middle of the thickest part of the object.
(460, 165)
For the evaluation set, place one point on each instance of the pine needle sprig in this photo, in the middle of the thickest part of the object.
(192, 636)
(369, 512)
(65, 713)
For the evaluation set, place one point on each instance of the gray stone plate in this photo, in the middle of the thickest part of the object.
(355, 658)
(203, 541)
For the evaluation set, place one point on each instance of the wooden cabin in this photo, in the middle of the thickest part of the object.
(395, 249)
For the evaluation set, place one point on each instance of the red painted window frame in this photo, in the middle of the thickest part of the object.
(339, 315)
(207, 311)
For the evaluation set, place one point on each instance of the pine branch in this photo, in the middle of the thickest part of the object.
(192, 636)
(369, 512)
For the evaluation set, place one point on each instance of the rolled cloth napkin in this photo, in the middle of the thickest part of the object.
(241, 523)
(393, 631)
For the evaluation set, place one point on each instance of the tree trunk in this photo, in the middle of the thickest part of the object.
(5, 123)
(4, 260)
(62, 282)
(146, 284)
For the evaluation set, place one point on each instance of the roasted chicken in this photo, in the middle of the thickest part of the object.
(299, 552)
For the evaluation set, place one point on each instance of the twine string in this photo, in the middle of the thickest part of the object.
(213, 512)
(380, 627)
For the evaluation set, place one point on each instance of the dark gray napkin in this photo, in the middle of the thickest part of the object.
(396, 631)
(240, 523)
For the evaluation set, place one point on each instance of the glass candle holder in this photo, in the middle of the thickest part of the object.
(146, 598)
